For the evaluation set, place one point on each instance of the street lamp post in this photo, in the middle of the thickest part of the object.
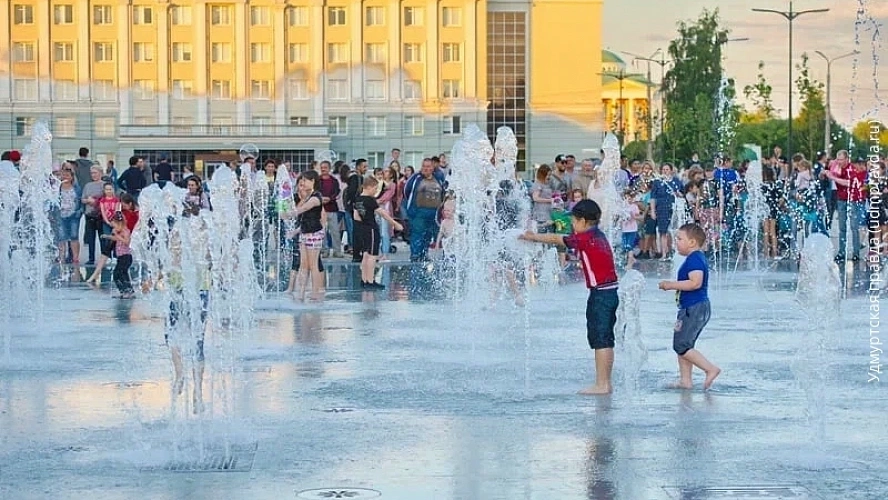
(650, 98)
(827, 136)
(621, 75)
(790, 16)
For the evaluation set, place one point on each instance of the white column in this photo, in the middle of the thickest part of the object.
(123, 58)
(162, 51)
(44, 54)
(433, 75)
(241, 55)
(280, 63)
(81, 45)
(202, 69)
(396, 84)
(630, 120)
(470, 51)
(356, 74)
(318, 56)
(6, 79)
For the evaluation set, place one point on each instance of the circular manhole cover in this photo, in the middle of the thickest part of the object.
(353, 493)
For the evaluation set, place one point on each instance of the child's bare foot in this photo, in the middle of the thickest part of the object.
(681, 385)
(596, 390)
(711, 375)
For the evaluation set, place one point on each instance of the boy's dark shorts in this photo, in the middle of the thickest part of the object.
(601, 316)
(688, 325)
(174, 316)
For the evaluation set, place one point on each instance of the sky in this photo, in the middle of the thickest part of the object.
(643, 26)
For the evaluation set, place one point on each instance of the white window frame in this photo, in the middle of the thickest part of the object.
(336, 16)
(374, 15)
(412, 90)
(143, 90)
(297, 53)
(105, 126)
(261, 89)
(23, 14)
(63, 49)
(375, 53)
(376, 126)
(103, 52)
(24, 52)
(220, 15)
(143, 52)
(260, 52)
(25, 89)
(412, 53)
(224, 90)
(414, 16)
(25, 122)
(63, 14)
(182, 89)
(337, 53)
(374, 90)
(182, 52)
(65, 126)
(260, 15)
(180, 15)
(104, 90)
(102, 15)
(451, 89)
(143, 15)
(341, 89)
(297, 15)
(451, 52)
(298, 121)
(64, 90)
(337, 125)
(224, 52)
(414, 125)
(451, 17)
(452, 125)
(298, 89)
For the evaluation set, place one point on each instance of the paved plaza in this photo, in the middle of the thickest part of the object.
(409, 396)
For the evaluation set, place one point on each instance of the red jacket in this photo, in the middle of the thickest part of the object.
(856, 191)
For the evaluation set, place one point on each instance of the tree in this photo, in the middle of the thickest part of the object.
(866, 133)
(692, 86)
(809, 124)
(760, 96)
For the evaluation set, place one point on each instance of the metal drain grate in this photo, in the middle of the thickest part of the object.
(350, 493)
(239, 459)
(742, 493)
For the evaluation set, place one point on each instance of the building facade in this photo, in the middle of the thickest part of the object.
(625, 98)
(297, 76)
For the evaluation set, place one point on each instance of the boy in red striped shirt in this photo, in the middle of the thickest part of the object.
(597, 261)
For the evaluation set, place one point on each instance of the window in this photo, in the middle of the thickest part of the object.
(260, 52)
(298, 121)
(105, 126)
(143, 52)
(451, 125)
(181, 52)
(375, 53)
(413, 16)
(337, 53)
(25, 89)
(63, 52)
(63, 14)
(260, 89)
(142, 14)
(23, 125)
(337, 90)
(182, 125)
(412, 89)
(376, 126)
(374, 16)
(297, 16)
(336, 16)
(220, 15)
(220, 125)
(182, 89)
(103, 52)
(260, 16)
(452, 89)
(221, 89)
(64, 90)
(375, 159)
(298, 52)
(374, 90)
(450, 52)
(23, 52)
(413, 125)
(262, 124)
(298, 88)
(412, 53)
(65, 126)
(451, 16)
(180, 15)
(145, 120)
(102, 14)
(220, 52)
(337, 125)
(103, 90)
(23, 14)
(144, 90)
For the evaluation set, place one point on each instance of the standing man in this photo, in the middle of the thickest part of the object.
(133, 179)
(163, 171)
(558, 180)
(83, 166)
(352, 191)
(425, 193)
(663, 194)
(329, 188)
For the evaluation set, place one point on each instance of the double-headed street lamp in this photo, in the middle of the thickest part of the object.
(648, 84)
(621, 75)
(827, 142)
(790, 16)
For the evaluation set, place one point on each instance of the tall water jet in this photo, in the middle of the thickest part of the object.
(818, 291)
(627, 330)
(755, 209)
(29, 243)
(610, 201)
(725, 114)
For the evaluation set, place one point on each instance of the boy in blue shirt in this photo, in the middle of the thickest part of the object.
(693, 304)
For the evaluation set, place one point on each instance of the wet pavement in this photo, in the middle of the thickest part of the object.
(405, 395)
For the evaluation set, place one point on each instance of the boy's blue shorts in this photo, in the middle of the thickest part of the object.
(601, 317)
(630, 241)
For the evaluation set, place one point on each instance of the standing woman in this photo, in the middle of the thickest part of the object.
(385, 198)
(70, 210)
(108, 206)
(308, 212)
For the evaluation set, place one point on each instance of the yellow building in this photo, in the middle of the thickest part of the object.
(624, 95)
(296, 76)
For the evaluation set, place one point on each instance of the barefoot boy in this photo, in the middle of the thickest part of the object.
(367, 235)
(597, 261)
(693, 304)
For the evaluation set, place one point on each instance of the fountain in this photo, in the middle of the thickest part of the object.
(610, 200)
(755, 209)
(627, 330)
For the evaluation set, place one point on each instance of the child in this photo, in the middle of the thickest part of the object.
(446, 220)
(367, 236)
(576, 196)
(630, 227)
(597, 261)
(121, 236)
(693, 303)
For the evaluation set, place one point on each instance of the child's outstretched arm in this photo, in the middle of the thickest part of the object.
(694, 282)
(548, 238)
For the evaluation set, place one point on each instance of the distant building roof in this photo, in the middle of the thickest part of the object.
(611, 57)
(607, 79)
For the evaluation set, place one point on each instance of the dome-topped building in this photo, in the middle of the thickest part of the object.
(624, 94)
